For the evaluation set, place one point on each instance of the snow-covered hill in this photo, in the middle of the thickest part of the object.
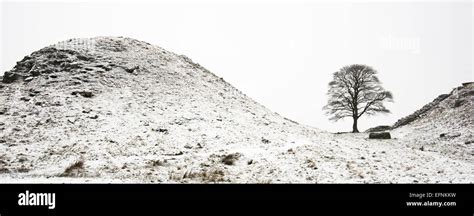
(445, 125)
(113, 109)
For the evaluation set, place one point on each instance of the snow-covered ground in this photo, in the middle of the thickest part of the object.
(122, 110)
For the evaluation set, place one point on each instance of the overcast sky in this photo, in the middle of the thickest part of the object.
(281, 54)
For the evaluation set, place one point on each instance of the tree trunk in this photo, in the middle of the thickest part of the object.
(354, 126)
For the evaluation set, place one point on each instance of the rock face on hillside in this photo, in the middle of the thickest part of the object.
(444, 125)
(110, 109)
(460, 97)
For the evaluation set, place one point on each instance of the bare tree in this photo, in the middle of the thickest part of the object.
(355, 91)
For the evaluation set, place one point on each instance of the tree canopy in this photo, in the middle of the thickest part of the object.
(355, 91)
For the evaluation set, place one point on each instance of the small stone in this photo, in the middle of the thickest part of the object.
(94, 117)
(87, 94)
(161, 130)
(132, 69)
(230, 159)
(28, 79)
(34, 91)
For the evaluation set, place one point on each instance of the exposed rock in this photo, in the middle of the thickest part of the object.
(230, 159)
(459, 103)
(76, 169)
(468, 84)
(410, 118)
(161, 130)
(132, 69)
(71, 120)
(379, 135)
(266, 141)
(35, 73)
(450, 135)
(458, 97)
(34, 92)
(3, 110)
(10, 77)
(28, 79)
(85, 58)
(87, 94)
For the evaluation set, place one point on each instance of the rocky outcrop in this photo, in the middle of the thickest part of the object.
(419, 113)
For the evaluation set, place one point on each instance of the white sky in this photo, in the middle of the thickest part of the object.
(282, 54)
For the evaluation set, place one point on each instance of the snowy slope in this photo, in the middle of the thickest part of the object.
(111, 109)
(445, 125)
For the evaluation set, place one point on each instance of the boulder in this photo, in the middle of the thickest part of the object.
(10, 77)
(380, 135)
